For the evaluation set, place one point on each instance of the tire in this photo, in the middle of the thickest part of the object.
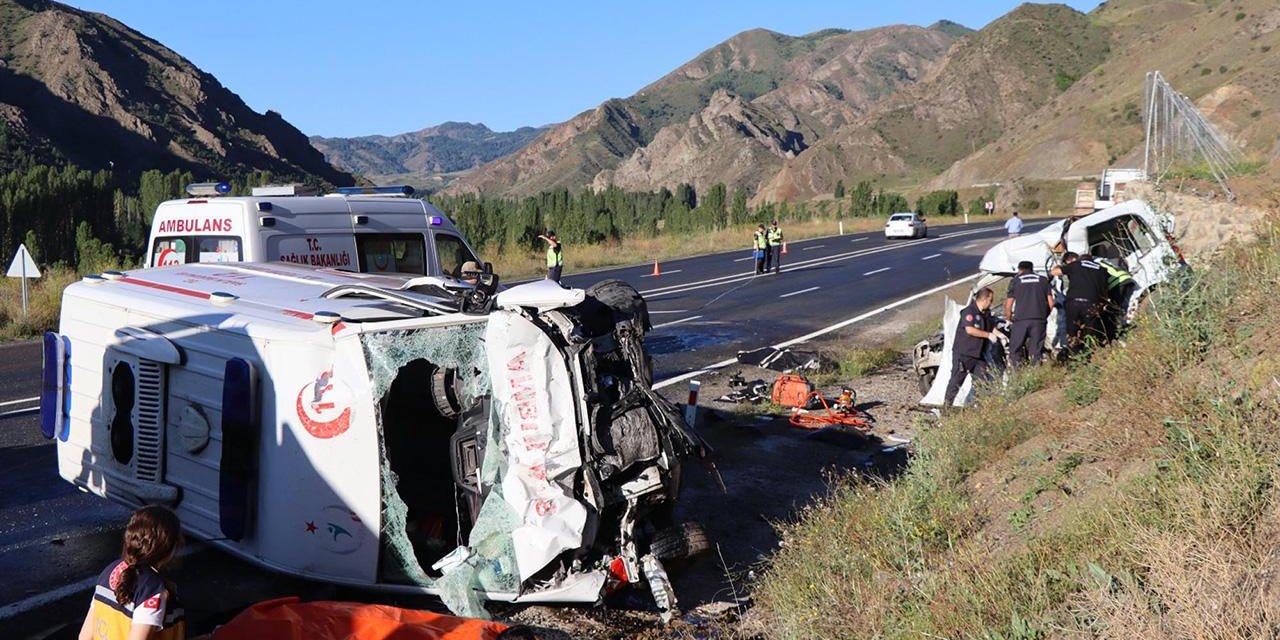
(680, 542)
(624, 300)
(925, 380)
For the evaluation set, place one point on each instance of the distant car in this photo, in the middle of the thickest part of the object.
(1130, 233)
(906, 225)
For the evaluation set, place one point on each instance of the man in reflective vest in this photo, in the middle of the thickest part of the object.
(775, 248)
(555, 256)
(760, 248)
(1120, 285)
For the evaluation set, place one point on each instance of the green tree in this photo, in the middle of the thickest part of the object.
(839, 192)
(738, 213)
(861, 199)
(33, 246)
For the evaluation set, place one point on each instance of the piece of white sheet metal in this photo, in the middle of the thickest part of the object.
(534, 398)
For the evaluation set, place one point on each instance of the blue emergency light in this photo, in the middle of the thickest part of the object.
(208, 188)
(437, 221)
(391, 190)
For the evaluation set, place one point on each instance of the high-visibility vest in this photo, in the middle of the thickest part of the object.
(1115, 275)
(760, 242)
(555, 256)
(775, 236)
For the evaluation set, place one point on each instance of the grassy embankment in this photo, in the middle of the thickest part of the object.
(1131, 494)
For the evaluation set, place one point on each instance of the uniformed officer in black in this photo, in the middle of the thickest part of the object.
(975, 329)
(1086, 298)
(1027, 307)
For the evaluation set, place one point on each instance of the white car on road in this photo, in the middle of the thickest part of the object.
(906, 225)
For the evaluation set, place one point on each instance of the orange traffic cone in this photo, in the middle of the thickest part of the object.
(656, 271)
(784, 248)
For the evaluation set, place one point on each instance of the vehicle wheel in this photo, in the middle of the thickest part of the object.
(680, 542)
(926, 380)
(623, 299)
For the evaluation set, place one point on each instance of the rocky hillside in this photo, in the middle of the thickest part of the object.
(81, 87)
(1225, 56)
(989, 82)
(758, 97)
(449, 147)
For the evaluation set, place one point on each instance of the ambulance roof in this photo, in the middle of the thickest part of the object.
(265, 299)
(332, 203)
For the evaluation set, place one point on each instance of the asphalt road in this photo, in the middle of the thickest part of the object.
(53, 539)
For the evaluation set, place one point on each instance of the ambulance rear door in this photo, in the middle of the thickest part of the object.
(197, 230)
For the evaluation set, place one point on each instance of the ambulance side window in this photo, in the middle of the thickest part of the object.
(218, 249)
(451, 253)
(391, 253)
(169, 251)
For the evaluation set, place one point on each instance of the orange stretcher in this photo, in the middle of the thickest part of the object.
(291, 619)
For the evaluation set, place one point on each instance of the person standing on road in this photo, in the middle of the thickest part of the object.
(132, 600)
(760, 248)
(555, 256)
(1027, 307)
(1013, 225)
(975, 329)
(775, 248)
(1085, 306)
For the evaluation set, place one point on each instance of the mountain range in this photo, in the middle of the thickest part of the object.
(82, 87)
(445, 148)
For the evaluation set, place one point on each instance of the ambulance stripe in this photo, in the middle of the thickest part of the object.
(166, 287)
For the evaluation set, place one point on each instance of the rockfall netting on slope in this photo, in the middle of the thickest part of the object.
(459, 347)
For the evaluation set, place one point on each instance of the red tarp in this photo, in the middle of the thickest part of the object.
(290, 619)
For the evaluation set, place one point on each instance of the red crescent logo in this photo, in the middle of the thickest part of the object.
(168, 257)
(323, 429)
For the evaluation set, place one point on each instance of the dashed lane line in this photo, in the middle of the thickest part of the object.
(820, 332)
(931, 257)
(664, 273)
(872, 273)
(816, 246)
(796, 293)
(22, 401)
(667, 324)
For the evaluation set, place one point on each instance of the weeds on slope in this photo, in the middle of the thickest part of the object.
(1180, 542)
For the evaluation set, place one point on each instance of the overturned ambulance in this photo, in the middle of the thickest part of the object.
(393, 432)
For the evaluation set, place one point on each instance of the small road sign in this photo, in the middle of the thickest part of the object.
(23, 267)
(989, 206)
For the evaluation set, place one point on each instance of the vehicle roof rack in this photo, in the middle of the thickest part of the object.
(285, 190)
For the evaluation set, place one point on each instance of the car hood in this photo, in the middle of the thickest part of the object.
(1036, 247)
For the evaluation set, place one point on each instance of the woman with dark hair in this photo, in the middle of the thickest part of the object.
(132, 600)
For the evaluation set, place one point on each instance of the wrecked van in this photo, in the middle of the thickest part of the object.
(364, 430)
(1130, 233)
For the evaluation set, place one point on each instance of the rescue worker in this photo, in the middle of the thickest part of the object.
(1120, 285)
(1027, 306)
(1086, 302)
(555, 256)
(760, 248)
(1013, 226)
(775, 248)
(975, 329)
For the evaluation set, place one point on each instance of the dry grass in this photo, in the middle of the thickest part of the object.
(44, 304)
(1160, 521)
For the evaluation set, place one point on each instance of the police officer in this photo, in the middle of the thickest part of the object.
(975, 329)
(760, 247)
(1120, 285)
(1027, 307)
(555, 256)
(775, 248)
(1086, 301)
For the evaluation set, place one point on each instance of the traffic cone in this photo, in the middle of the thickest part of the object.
(784, 248)
(656, 271)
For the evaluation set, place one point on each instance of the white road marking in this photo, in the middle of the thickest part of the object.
(872, 273)
(723, 280)
(816, 246)
(796, 293)
(931, 257)
(745, 259)
(667, 324)
(19, 412)
(664, 273)
(820, 332)
(22, 401)
(673, 311)
(970, 245)
(40, 599)
(858, 239)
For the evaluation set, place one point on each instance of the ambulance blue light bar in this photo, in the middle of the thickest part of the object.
(395, 190)
(437, 220)
(208, 189)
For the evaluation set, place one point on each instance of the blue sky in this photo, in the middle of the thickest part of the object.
(389, 66)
